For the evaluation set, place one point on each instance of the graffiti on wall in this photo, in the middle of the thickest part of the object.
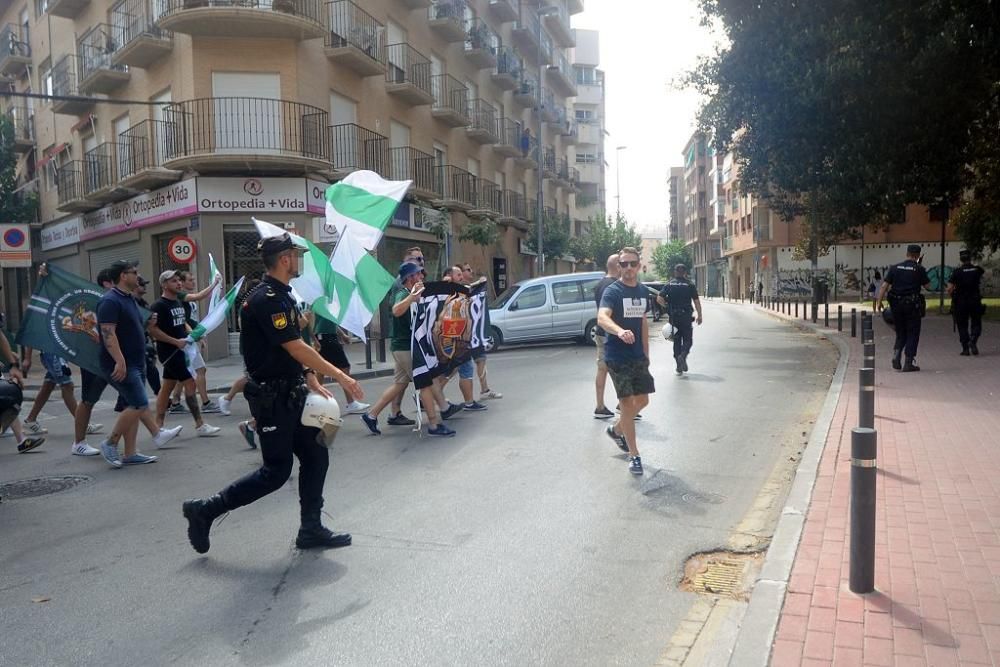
(798, 282)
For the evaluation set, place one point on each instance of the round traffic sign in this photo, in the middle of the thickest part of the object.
(182, 249)
(14, 237)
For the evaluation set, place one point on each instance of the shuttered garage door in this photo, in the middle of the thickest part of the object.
(102, 258)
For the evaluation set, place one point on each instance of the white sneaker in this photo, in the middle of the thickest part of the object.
(83, 449)
(490, 394)
(94, 428)
(207, 431)
(356, 408)
(224, 406)
(166, 435)
(34, 428)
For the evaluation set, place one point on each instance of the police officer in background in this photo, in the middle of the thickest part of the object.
(677, 296)
(967, 302)
(903, 283)
(274, 354)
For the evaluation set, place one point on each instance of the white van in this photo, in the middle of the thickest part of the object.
(546, 308)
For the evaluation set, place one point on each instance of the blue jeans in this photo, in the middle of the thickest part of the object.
(56, 370)
(465, 371)
(132, 388)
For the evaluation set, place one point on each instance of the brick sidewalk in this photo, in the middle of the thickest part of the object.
(937, 599)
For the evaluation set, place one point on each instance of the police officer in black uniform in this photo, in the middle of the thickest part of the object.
(677, 296)
(275, 354)
(967, 302)
(903, 283)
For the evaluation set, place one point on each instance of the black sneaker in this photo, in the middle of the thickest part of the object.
(964, 352)
(974, 348)
(684, 363)
(371, 423)
(616, 438)
(910, 366)
(896, 363)
(399, 419)
(603, 413)
(679, 369)
(635, 465)
(475, 406)
(453, 409)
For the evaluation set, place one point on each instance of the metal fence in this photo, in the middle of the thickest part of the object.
(407, 65)
(144, 146)
(355, 147)
(352, 26)
(408, 163)
(306, 9)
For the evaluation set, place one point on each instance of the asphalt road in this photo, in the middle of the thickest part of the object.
(523, 540)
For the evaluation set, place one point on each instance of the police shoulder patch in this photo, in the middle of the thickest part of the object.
(279, 320)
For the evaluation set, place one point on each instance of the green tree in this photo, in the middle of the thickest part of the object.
(15, 206)
(555, 236)
(846, 111)
(604, 238)
(668, 255)
(483, 233)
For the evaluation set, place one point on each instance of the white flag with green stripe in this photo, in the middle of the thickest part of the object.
(216, 315)
(213, 273)
(362, 204)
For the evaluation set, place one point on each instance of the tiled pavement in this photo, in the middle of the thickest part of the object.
(937, 599)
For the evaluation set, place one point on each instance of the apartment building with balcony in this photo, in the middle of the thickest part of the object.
(675, 202)
(586, 130)
(698, 223)
(187, 117)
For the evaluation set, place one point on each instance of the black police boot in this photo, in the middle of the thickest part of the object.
(910, 367)
(684, 362)
(312, 535)
(200, 514)
(965, 351)
(680, 365)
(975, 350)
(896, 363)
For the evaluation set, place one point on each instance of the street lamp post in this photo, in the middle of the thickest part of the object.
(544, 10)
(618, 178)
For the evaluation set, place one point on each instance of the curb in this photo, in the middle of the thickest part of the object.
(760, 621)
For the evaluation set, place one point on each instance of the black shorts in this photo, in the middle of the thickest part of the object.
(92, 386)
(331, 350)
(174, 366)
(631, 378)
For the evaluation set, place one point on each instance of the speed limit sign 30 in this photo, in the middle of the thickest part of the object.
(182, 249)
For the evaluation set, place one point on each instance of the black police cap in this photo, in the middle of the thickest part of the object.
(913, 249)
(272, 245)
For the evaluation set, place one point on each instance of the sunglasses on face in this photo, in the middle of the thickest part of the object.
(130, 271)
(419, 260)
(628, 264)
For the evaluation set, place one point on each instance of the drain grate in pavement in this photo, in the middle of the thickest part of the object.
(709, 498)
(722, 573)
(41, 486)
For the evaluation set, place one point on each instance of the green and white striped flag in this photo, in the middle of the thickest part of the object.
(213, 273)
(216, 315)
(362, 204)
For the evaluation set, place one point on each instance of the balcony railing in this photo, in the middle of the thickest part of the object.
(406, 163)
(356, 39)
(525, 33)
(64, 84)
(482, 44)
(574, 178)
(142, 150)
(560, 73)
(15, 51)
(457, 187)
(550, 109)
(528, 157)
(409, 74)
(69, 184)
(558, 24)
(99, 174)
(98, 71)
(526, 92)
(276, 135)
(140, 40)
(451, 100)
(483, 128)
(508, 138)
(505, 10)
(514, 206)
(24, 128)
(447, 18)
(507, 73)
(548, 161)
(291, 19)
(488, 199)
(356, 147)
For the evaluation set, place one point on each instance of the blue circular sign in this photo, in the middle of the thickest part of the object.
(14, 238)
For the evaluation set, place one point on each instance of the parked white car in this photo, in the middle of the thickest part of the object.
(546, 308)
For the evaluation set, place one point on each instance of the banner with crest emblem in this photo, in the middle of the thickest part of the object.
(447, 328)
(61, 318)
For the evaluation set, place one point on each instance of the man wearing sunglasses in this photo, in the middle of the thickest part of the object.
(622, 315)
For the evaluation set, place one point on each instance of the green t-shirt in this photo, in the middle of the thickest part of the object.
(400, 329)
(323, 326)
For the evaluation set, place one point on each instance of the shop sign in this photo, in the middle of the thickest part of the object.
(251, 195)
(59, 234)
(316, 196)
(325, 232)
(146, 209)
(15, 245)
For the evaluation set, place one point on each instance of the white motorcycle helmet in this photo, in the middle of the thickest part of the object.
(322, 413)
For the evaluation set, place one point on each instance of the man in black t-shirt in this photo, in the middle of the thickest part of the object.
(600, 382)
(170, 332)
(967, 302)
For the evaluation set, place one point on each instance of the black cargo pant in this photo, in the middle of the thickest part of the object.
(906, 315)
(683, 332)
(966, 312)
(282, 437)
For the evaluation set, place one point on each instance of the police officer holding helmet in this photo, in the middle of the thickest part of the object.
(277, 390)
(967, 302)
(903, 283)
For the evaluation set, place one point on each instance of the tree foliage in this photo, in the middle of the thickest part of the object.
(604, 238)
(483, 233)
(668, 255)
(555, 236)
(15, 207)
(846, 111)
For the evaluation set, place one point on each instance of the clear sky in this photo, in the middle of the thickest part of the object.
(645, 46)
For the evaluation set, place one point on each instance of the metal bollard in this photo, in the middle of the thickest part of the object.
(826, 314)
(840, 317)
(815, 311)
(854, 322)
(866, 398)
(863, 476)
(805, 310)
(380, 351)
(796, 309)
(868, 356)
(368, 352)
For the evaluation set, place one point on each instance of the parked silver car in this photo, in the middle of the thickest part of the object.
(546, 308)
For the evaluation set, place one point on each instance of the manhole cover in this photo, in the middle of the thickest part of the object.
(723, 573)
(40, 486)
(703, 498)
